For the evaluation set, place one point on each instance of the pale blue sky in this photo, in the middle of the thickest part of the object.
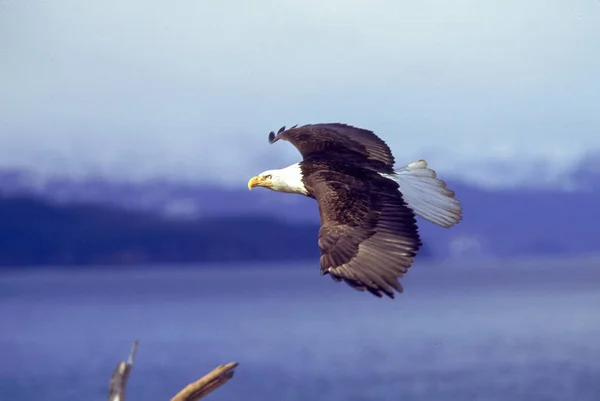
(191, 88)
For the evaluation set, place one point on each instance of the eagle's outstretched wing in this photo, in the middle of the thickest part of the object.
(368, 236)
(336, 139)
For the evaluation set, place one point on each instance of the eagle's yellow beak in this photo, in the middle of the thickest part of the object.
(253, 182)
(258, 181)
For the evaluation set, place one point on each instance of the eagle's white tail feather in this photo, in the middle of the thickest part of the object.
(427, 195)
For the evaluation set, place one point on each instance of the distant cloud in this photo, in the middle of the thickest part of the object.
(192, 88)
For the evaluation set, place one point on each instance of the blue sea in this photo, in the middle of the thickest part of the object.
(461, 331)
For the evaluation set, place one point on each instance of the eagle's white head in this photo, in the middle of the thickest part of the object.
(287, 180)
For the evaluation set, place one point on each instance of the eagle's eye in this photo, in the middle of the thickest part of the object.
(267, 177)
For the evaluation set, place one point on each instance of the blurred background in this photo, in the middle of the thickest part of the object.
(128, 132)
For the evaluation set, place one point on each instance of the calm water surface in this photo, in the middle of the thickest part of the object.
(497, 331)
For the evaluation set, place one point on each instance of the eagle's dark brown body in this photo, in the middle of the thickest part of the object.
(368, 236)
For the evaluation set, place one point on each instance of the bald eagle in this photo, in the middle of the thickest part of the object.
(368, 235)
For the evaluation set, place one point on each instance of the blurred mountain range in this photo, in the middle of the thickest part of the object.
(108, 221)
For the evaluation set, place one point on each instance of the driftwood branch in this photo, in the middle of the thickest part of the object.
(192, 392)
(206, 385)
(118, 380)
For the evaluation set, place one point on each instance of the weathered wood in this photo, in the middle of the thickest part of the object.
(192, 392)
(207, 384)
(118, 381)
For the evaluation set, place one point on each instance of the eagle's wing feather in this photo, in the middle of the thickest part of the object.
(368, 236)
(341, 139)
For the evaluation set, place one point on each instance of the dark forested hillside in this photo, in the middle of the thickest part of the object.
(36, 232)
(82, 223)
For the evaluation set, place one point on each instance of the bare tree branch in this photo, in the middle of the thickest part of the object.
(118, 380)
(207, 384)
(192, 392)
